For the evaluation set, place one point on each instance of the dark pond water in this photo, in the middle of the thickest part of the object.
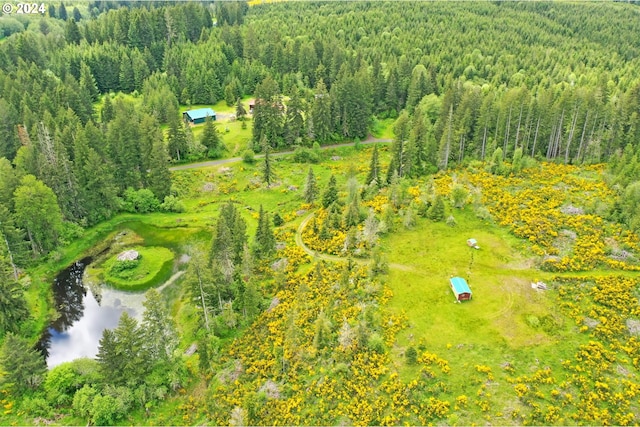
(83, 316)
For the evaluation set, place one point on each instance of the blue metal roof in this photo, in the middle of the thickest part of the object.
(460, 285)
(200, 113)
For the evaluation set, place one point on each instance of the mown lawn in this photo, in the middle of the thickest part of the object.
(494, 329)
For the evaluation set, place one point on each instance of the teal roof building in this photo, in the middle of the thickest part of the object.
(199, 115)
(460, 288)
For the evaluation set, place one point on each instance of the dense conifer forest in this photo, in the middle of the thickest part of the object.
(346, 132)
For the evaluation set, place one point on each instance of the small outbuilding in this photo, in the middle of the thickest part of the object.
(473, 243)
(460, 289)
(252, 105)
(198, 116)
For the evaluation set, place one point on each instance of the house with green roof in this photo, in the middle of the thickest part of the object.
(198, 116)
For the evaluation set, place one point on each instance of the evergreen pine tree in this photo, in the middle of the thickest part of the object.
(251, 300)
(322, 331)
(177, 139)
(437, 211)
(211, 139)
(13, 305)
(107, 356)
(294, 120)
(122, 355)
(159, 177)
(401, 129)
(374, 168)
(127, 77)
(320, 115)
(230, 237)
(72, 32)
(108, 112)
(22, 367)
(352, 216)
(88, 82)
(62, 12)
(265, 242)
(418, 139)
(310, 187)
(331, 193)
(96, 185)
(241, 112)
(267, 169)
(158, 328)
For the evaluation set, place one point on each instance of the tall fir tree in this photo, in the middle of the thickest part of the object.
(88, 82)
(241, 112)
(399, 162)
(331, 193)
(158, 328)
(211, 139)
(320, 123)
(122, 355)
(310, 187)
(123, 136)
(62, 12)
(229, 238)
(159, 177)
(294, 120)
(267, 166)
(13, 305)
(107, 114)
(72, 32)
(267, 113)
(97, 188)
(23, 367)
(264, 242)
(374, 168)
(176, 139)
(251, 300)
(437, 210)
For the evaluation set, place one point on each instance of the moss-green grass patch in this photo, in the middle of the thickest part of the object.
(507, 323)
(500, 319)
(383, 128)
(153, 267)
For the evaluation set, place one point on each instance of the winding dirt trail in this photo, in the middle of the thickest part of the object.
(336, 258)
(369, 140)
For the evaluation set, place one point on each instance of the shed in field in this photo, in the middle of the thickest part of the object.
(460, 289)
(198, 116)
(473, 243)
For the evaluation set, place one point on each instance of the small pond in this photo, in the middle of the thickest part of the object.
(83, 315)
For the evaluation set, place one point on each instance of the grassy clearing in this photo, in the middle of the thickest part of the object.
(383, 128)
(505, 322)
(498, 275)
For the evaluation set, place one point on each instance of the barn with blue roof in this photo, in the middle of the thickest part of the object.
(198, 116)
(460, 288)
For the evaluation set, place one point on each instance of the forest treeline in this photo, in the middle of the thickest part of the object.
(553, 81)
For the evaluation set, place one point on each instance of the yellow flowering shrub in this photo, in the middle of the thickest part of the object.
(538, 206)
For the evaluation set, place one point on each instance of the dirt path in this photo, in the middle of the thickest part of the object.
(336, 258)
(369, 140)
(170, 281)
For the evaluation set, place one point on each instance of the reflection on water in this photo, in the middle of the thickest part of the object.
(77, 332)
